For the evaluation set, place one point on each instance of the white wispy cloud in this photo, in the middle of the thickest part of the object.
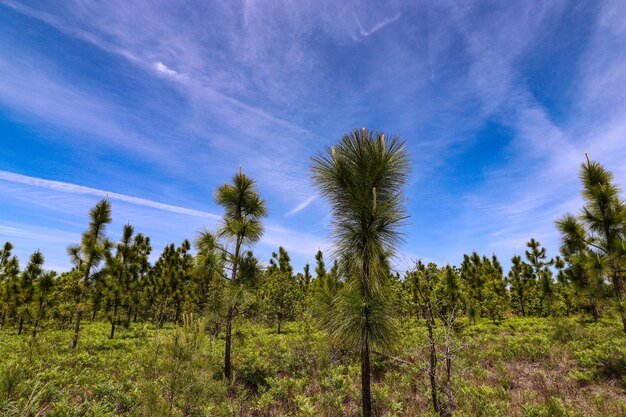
(215, 108)
(164, 69)
(41, 235)
(301, 206)
(378, 26)
(79, 189)
(59, 194)
(45, 99)
(73, 31)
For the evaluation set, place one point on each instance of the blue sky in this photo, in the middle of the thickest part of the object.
(157, 103)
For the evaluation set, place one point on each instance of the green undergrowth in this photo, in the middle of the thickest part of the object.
(519, 367)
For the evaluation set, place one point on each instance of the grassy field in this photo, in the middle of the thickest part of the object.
(522, 367)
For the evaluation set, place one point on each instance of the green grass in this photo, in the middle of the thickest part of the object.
(522, 367)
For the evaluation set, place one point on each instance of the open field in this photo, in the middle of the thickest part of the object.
(522, 367)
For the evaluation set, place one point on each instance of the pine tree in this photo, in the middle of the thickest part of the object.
(26, 289)
(119, 276)
(209, 271)
(43, 291)
(495, 301)
(9, 273)
(521, 284)
(320, 265)
(280, 293)
(139, 267)
(601, 230)
(588, 288)
(473, 280)
(363, 179)
(243, 211)
(89, 254)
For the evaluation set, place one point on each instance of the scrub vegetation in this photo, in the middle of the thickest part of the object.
(209, 329)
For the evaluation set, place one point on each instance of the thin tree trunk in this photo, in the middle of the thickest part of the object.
(4, 316)
(35, 328)
(39, 316)
(21, 325)
(79, 317)
(448, 368)
(366, 394)
(227, 364)
(594, 310)
(127, 322)
(448, 388)
(229, 318)
(113, 320)
(432, 369)
(176, 316)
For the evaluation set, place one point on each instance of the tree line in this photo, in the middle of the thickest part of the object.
(357, 299)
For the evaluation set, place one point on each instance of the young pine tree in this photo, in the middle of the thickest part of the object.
(495, 298)
(26, 289)
(473, 280)
(9, 275)
(363, 178)
(280, 293)
(89, 254)
(604, 215)
(243, 211)
(588, 288)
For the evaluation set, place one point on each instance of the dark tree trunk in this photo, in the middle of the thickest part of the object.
(4, 317)
(432, 369)
(35, 328)
(79, 317)
(366, 393)
(227, 364)
(279, 322)
(113, 320)
(177, 312)
(594, 310)
(451, 405)
(128, 313)
(21, 325)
